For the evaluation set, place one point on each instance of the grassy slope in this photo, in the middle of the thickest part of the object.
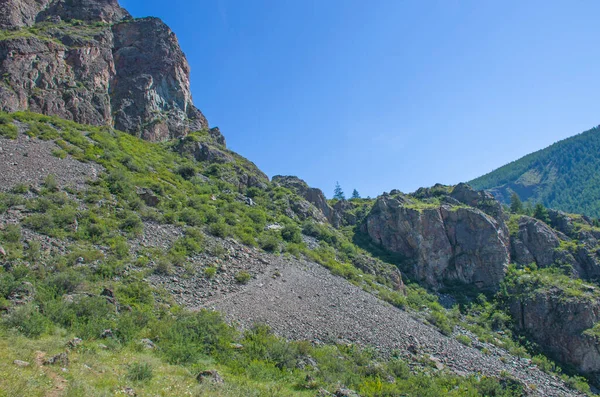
(564, 176)
(109, 213)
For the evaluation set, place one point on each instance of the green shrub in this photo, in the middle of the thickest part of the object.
(59, 153)
(190, 336)
(42, 223)
(163, 267)
(9, 131)
(219, 229)
(64, 282)
(210, 271)
(11, 233)
(20, 188)
(132, 224)
(7, 284)
(50, 183)
(464, 339)
(187, 172)
(291, 233)
(269, 242)
(28, 320)
(243, 277)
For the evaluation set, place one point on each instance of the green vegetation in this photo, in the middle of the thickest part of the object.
(531, 282)
(98, 223)
(516, 205)
(77, 31)
(563, 176)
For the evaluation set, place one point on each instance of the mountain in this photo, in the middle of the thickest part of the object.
(90, 62)
(564, 176)
(140, 256)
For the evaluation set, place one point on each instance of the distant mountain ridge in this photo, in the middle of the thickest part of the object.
(563, 176)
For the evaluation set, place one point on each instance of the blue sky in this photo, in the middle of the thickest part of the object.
(388, 94)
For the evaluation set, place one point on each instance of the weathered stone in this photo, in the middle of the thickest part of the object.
(148, 344)
(61, 359)
(19, 13)
(107, 333)
(342, 215)
(343, 392)
(20, 363)
(148, 197)
(75, 342)
(479, 199)
(209, 376)
(107, 11)
(539, 242)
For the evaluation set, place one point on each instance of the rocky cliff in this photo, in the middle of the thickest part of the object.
(89, 61)
(559, 314)
(442, 242)
(571, 244)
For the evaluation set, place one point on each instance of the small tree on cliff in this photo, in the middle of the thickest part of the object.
(338, 193)
(355, 194)
(541, 213)
(516, 205)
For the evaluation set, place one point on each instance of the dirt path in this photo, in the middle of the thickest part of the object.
(60, 383)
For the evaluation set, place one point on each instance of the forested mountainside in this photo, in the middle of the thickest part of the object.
(564, 176)
(140, 256)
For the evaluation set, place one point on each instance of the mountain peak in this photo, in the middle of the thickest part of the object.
(90, 62)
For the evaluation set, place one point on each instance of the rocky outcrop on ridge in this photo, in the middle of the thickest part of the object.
(210, 148)
(89, 61)
(312, 195)
(576, 247)
(441, 244)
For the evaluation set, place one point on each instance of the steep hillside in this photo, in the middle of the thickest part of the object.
(564, 176)
(141, 257)
(103, 236)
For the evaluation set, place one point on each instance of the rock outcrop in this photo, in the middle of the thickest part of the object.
(312, 195)
(535, 242)
(338, 215)
(557, 322)
(567, 244)
(441, 244)
(209, 148)
(89, 61)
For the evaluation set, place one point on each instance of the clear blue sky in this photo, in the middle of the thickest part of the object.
(389, 94)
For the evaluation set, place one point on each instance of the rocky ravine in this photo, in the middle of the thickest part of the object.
(89, 61)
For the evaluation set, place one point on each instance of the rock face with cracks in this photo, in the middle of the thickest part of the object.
(444, 244)
(89, 61)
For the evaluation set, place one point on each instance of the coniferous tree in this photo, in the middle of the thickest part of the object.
(355, 194)
(516, 205)
(338, 193)
(541, 213)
